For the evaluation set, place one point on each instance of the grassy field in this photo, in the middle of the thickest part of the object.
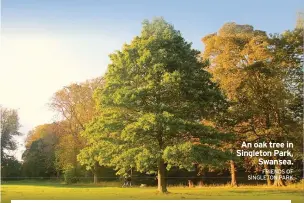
(42, 190)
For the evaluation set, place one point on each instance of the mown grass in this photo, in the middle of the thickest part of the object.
(54, 190)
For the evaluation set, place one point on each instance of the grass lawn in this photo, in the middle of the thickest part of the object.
(43, 190)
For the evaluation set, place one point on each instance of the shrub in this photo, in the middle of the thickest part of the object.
(70, 174)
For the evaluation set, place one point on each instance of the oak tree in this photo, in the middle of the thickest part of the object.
(156, 93)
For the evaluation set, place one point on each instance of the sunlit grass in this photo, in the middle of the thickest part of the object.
(106, 190)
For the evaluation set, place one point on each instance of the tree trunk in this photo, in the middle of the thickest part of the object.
(277, 177)
(95, 177)
(95, 173)
(162, 185)
(267, 174)
(190, 184)
(233, 173)
(201, 181)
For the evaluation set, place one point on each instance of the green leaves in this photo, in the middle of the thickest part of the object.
(180, 155)
(9, 128)
(155, 94)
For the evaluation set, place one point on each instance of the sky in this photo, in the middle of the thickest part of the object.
(48, 44)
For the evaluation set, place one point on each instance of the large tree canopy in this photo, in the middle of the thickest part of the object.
(155, 96)
(263, 80)
(76, 107)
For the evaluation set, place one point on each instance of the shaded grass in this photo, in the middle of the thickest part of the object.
(56, 190)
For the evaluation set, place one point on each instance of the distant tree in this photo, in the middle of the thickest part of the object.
(229, 50)
(261, 77)
(76, 107)
(10, 168)
(75, 104)
(9, 126)
(288, 59)
(39, 156)
(156, 93)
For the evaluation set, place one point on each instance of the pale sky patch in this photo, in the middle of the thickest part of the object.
(34, 66)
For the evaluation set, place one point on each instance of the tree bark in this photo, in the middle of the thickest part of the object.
(233, 173)
(162, 185)
(190, 184)
(95, 173)
(267, 174)
(95, 177)
(201, 181)
(277, 177)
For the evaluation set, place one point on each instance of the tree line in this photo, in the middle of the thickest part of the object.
(164, 106)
